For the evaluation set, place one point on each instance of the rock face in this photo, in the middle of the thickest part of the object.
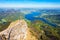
(16, 31)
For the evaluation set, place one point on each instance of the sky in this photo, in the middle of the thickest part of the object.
(29, 3)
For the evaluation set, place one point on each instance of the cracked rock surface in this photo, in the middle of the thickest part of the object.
(17, 30)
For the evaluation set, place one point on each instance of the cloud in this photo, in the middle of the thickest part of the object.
(41, 5)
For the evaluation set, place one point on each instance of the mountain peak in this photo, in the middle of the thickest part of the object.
(17, 30)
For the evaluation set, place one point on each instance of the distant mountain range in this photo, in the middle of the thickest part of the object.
(11, 14)
(53, 18)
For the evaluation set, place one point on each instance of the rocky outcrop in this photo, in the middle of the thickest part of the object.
(17, 30)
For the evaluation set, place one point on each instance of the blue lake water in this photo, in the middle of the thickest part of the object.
(32, 18)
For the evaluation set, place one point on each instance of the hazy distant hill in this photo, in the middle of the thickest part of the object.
(13, 14)
(10, 14)
(53, 18)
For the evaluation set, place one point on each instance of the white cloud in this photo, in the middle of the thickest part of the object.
(29, 6)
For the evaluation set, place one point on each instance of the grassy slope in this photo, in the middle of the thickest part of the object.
(43, 31)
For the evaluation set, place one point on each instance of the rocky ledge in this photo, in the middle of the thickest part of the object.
(17, 30)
